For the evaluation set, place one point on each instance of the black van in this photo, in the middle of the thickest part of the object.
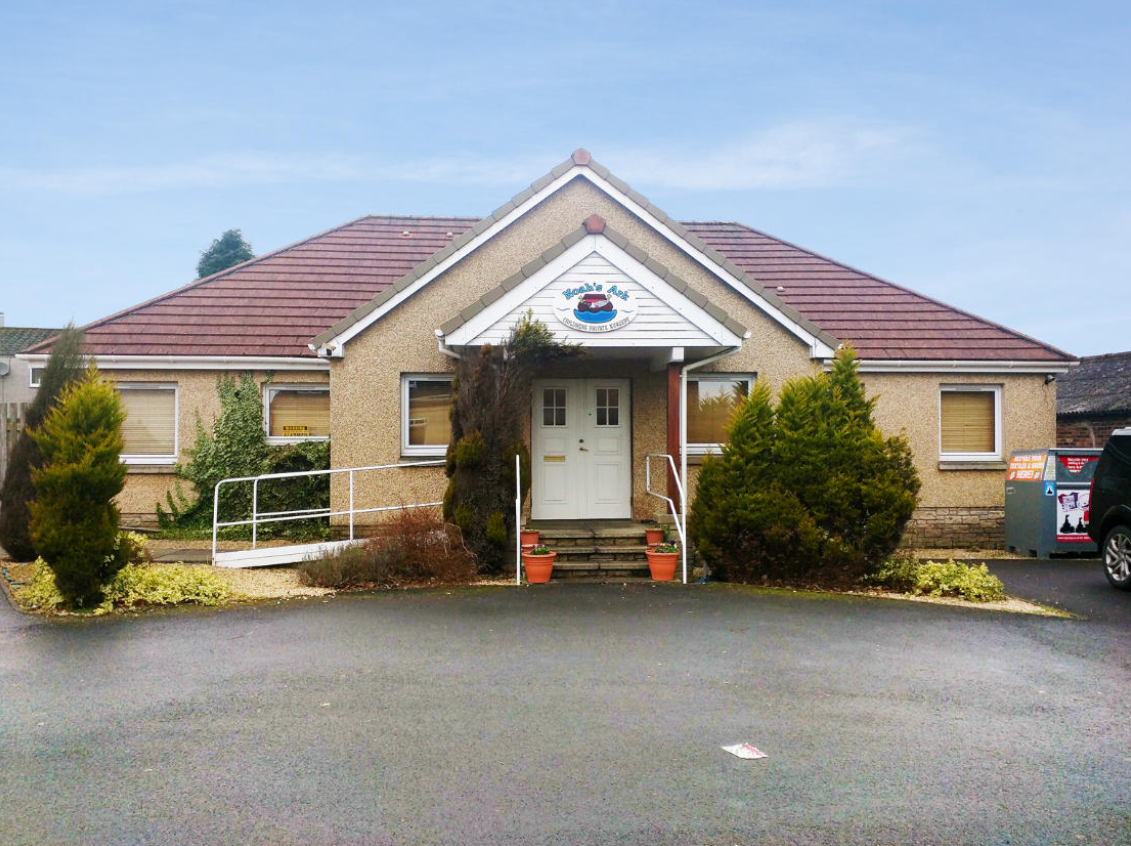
(1110, 508)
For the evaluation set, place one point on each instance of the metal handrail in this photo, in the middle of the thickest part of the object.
(306, 513)
(680, 519)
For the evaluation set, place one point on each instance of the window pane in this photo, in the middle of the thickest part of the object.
(968, 421)
(608, 406)
(553, 407)
(710, 405)
(150, 424)
(36, 376)
(299, 413)
(428, 404)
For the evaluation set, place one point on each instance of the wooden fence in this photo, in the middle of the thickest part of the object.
(12, 416)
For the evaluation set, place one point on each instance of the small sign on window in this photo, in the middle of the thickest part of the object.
(296, 431)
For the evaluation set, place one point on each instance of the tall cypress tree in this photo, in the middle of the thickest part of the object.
(64, 366)
(74, 522)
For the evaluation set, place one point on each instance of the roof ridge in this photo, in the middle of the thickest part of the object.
(469, 218)
(204, 280)
(910, 291)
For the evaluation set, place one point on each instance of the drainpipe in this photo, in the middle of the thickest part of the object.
(444, 348)
(683, 371)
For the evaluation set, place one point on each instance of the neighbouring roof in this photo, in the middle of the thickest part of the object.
(276, 304)
(14, 339)
(1100, 385)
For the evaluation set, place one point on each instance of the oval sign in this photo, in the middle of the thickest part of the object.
(595, 307)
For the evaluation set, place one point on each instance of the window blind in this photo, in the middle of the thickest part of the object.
(428, 404)
(150, 424)
(710, 405)
(968, 422)
(299, 414)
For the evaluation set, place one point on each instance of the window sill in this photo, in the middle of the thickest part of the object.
(152, 469)
(973, 465)
(281, 441)
(435, 456)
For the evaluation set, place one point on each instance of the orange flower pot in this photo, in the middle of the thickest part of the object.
(538, 567)
(653, 536)
(528, 539)
(662, 565)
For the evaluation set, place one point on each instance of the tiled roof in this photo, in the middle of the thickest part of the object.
(274, 305)
(14, 339)
(1100, 385)
(880, 319)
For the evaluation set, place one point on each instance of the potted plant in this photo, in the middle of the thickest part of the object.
(662, 561)
(528, 538)
(539, 563)
(653, 536)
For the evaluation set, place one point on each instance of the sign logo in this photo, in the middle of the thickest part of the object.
(595, 307)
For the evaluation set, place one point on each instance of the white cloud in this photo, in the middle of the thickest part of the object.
(794, 155)
(810, 154)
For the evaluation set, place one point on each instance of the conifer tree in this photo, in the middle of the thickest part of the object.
(64, 365)
(811, 490)
(491, 397)
(74, 522)
(226, 251)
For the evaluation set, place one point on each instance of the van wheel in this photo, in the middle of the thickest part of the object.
(1117, 557)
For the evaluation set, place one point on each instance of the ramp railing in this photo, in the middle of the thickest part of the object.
(298, 552)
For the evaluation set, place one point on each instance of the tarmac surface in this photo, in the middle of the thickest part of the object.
(573, 713)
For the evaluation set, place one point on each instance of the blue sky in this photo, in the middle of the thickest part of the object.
(974, 151)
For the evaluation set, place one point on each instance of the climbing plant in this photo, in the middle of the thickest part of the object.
(237, 446)
(490, 402)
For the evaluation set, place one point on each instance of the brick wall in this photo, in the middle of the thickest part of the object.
(1088, 432)
(958, 528)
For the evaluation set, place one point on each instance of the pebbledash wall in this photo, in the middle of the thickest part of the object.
(961, 504)
(147, 484)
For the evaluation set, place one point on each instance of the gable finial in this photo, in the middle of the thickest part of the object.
(594, 224)
(581, 156)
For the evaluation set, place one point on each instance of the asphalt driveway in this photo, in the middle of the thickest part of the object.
(565, 714)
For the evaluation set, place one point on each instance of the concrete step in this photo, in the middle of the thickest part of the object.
(599, 568)
(583, 553)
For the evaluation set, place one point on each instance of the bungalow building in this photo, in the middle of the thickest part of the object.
(353, 335)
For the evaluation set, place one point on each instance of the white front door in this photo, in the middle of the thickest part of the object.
(581, 451)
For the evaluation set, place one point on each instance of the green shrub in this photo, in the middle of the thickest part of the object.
(412, 547)
(808, 491)
(166, 584)
(951, 578)
(133, 586)
(898, 572)
(40, 593)
(74, 523)
(64, 366)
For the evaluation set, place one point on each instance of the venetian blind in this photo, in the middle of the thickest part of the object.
(968, 421)
(428, 405)
(150, 424)
(300, 414)
(710, 405)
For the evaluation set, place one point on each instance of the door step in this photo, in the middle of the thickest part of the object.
(596, 550)
(600, 568)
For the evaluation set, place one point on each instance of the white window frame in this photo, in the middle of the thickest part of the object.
(973, 456)
(705, 448)
(419, 449)
(268, 390)
(156, 386)
(31, 381)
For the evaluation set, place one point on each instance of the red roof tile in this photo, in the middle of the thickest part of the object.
(274, 305)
